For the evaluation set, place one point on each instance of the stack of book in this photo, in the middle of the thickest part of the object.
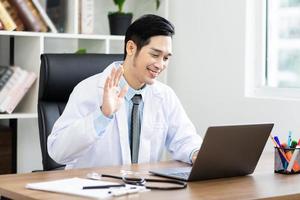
(14, 84)
(28, 15)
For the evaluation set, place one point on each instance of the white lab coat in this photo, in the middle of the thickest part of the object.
(74, 141)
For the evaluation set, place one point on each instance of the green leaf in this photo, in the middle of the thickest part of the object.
(120, 4)
(157, 4)
(81, 51)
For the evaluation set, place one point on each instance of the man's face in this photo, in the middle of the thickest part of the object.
(151, 60)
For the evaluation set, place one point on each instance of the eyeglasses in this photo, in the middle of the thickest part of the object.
(137, 178)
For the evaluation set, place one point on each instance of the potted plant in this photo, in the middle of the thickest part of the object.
(119, 21)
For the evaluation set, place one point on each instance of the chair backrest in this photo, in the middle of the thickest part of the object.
(59, 74)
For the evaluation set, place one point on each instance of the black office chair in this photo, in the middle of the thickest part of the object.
(59, 74)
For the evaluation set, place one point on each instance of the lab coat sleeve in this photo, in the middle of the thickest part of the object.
(76, 129)
(182, 138)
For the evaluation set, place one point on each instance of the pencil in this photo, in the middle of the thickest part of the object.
(102, 186)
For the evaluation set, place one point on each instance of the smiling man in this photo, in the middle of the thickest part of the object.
(124, 115)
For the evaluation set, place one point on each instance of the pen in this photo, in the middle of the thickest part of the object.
(279, 148)
(284, 163)
(293, 159)
(102, 186)
(293, 144)
(290, 139)
(121, 192)
(277, 140)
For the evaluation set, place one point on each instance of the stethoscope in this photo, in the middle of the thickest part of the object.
(176, 184)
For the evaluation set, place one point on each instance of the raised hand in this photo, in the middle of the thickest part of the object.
(112, 96)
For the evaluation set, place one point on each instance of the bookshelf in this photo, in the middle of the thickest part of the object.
(27, 48)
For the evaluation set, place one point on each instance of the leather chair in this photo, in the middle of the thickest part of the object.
(59, 74)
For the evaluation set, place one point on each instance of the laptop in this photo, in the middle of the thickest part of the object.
(226, 151)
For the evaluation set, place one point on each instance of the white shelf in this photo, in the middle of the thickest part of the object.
(62, 35)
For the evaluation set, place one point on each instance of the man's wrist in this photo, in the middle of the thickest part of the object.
(105, 113)
(194, 156)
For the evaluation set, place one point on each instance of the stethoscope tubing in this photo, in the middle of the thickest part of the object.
(141, 182)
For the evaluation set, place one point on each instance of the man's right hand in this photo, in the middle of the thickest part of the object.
(112, 96)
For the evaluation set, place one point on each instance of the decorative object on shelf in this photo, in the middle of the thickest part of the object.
(119, 21)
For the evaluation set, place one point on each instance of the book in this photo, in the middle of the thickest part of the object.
(5, 73)
(19, 80)
(12, 10)
(1, 26)
(17, 72)
(6, 19)
(30, 15)
(45, 17)
(86, 16)
(20, 87)
(15, 95)
(57, 12)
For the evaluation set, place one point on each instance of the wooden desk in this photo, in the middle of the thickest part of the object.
(263, 184)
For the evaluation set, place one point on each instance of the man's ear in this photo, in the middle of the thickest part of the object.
(130, 48)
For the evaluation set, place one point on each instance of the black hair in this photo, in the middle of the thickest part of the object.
(145, 27)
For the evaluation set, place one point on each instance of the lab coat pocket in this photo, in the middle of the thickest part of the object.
(159, 128)
(159, 133)
(158, 125)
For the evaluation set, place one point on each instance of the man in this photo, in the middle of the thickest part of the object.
(123, 115)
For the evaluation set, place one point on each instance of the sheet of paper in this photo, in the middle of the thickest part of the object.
(74, 186)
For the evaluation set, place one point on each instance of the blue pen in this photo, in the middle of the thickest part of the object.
(289, 139)
(284, 163)
(277, 140)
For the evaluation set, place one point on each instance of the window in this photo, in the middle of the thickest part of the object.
(282, 44)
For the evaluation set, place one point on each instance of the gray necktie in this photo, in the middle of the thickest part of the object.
(135, 128)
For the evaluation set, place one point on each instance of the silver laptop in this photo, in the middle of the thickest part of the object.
(226, 151)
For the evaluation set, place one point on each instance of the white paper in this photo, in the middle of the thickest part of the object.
(74, 186)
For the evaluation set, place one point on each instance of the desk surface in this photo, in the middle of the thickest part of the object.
(263, 184)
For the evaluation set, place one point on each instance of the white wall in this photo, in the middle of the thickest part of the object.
(208, 66)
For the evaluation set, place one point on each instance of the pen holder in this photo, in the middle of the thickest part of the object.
(287, 160)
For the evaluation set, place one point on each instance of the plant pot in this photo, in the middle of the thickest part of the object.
(119, 22)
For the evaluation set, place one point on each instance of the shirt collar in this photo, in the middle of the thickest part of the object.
(131, 92)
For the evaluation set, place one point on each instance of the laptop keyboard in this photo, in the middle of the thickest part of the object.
(184, 175)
